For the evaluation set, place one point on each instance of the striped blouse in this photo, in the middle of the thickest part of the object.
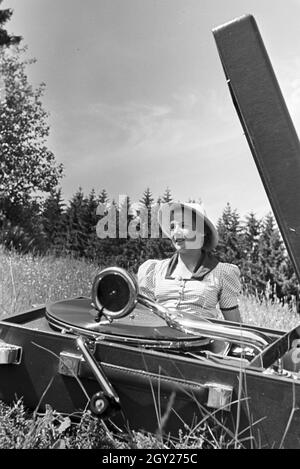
(214, 283)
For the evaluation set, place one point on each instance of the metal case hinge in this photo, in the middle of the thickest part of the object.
(69, 364)
(219, 396)
(10, 354)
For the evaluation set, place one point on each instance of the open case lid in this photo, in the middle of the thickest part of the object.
(266, 121)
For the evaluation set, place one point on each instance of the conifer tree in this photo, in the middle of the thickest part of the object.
(291, 286)
(90, 219)
(126, 215)
(162, 247)
(251, 237)
(103, 197)
(129, 248)
(147, 198)
(90, 214)
(76, 225)
(229, 248)
(53, 221)
(271, 258)
(146, 203)
(101, 211)
(250, 261)
(167, 197)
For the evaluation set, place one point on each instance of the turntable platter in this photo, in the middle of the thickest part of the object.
(78, 315)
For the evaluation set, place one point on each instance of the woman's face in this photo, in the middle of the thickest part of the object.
(185, 232)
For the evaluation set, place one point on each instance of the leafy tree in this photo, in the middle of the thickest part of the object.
(26, 164)
(5, 38)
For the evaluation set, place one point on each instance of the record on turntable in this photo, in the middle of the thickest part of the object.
(140, 327)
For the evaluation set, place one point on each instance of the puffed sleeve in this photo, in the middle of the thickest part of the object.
(230, 286)
(146, 278)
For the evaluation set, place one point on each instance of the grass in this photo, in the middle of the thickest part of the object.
(22, 430)
(27, 281)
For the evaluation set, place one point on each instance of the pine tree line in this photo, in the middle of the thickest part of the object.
(255, 245)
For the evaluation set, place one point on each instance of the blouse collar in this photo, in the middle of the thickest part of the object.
(206, 264)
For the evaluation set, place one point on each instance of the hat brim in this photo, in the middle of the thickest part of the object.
(165, 209)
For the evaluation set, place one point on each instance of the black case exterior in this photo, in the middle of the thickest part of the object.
(154, 386)
(266, 121)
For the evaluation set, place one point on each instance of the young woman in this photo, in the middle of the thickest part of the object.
(192, 282)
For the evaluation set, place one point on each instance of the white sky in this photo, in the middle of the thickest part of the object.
(137, 95)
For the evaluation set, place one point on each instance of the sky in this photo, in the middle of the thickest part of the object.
(137, 96)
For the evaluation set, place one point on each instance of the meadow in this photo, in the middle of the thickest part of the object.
(27, 281)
